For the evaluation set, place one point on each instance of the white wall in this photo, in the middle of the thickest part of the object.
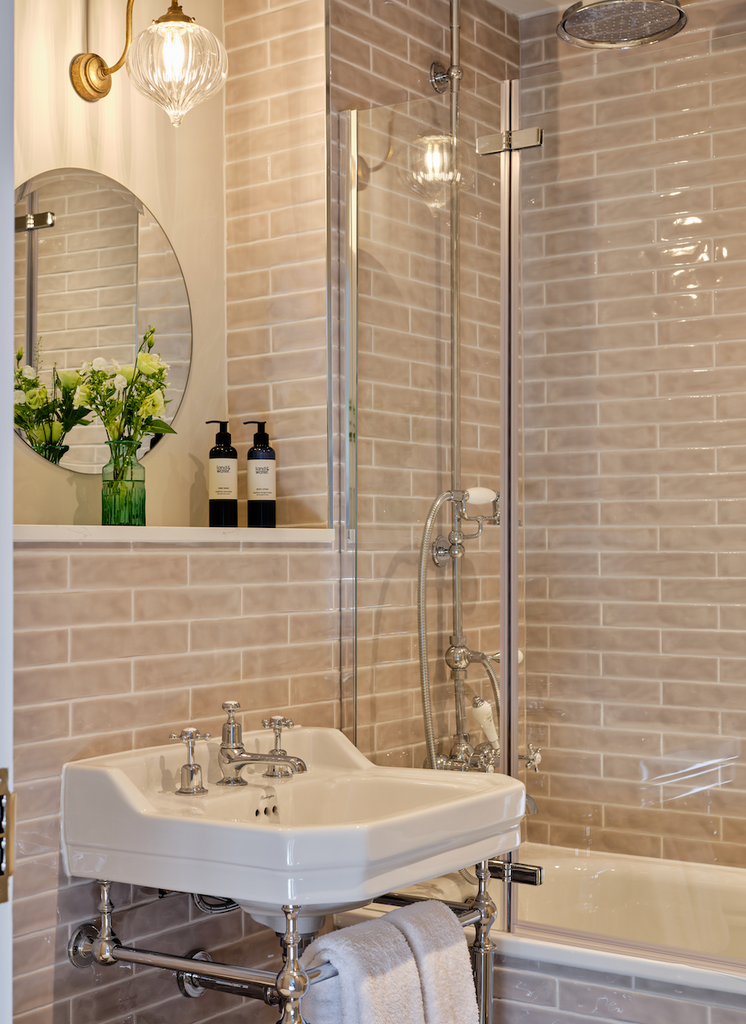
(179, 175)
(6, 464)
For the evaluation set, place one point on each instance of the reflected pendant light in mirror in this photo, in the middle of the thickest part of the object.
(434, 164)
(177, 63)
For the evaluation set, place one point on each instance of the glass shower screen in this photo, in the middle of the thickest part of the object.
(402, 408)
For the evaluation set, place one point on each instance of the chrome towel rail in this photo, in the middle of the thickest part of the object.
(98, 944)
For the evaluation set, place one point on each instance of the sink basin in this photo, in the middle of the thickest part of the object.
(329, 839)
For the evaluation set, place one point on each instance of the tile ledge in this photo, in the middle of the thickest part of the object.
(41, 534)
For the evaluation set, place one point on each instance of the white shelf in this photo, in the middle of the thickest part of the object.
(25, 534)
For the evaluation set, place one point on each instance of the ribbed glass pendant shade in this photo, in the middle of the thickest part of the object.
(178, 65)
(431, 168)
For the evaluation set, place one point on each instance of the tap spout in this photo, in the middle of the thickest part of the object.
(232, 761)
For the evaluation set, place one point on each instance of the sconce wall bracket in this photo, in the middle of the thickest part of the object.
(90, 76)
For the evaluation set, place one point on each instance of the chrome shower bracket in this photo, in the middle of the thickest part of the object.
(439, 78)
(443, 551)
(446, 550)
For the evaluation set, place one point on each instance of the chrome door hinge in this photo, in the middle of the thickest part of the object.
(509, 142)
(528, 874)
(7, 834)
(34, 221)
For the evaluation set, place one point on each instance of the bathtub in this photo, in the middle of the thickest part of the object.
(670, 921)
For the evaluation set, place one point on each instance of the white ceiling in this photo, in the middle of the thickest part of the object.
(528, 8)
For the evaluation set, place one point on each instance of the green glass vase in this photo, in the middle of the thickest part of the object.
(123, 486)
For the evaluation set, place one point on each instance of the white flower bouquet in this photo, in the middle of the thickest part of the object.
(129, 400)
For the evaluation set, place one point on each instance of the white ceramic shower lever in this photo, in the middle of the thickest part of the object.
(480, 496)
(482, 711)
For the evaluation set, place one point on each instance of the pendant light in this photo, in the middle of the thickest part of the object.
(175, 62)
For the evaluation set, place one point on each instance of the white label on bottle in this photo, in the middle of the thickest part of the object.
(261, 482)
(223, 483)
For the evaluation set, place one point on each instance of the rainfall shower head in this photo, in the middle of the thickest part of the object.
(617, 24)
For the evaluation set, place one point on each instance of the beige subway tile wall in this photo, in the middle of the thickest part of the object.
(163, 303)
(633, 415)
(381, 53)
(117, 646)
(87, 275)
(276, 255)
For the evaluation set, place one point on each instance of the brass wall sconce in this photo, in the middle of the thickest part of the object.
(175, 62)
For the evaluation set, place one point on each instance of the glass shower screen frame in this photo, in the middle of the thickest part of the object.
(400, 390)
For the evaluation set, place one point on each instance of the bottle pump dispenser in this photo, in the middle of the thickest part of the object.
(223, 479)
(261, 463)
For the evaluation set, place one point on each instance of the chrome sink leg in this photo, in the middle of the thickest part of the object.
(107, 940)
(90, 944)
(292, 981)
(483, 950)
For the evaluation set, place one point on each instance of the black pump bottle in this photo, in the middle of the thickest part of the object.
(261, 478)
(223, 479)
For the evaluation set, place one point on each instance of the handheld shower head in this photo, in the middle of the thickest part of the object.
(619, 24)
(479, 496)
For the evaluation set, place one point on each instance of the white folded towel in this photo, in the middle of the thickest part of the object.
(378, 982)
(442, 955)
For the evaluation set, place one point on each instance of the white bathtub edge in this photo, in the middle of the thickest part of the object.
(617, 963)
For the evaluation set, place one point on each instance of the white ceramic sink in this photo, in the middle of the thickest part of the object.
(333, 837)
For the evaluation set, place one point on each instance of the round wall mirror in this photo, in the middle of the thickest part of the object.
(93, 269)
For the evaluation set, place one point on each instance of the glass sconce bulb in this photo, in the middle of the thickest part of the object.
(178, 65)
(432, 168)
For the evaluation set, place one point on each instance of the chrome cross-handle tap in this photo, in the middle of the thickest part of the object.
(278, 723)
(191, 772)
(232, 728)
(533, 758)
(233, 757)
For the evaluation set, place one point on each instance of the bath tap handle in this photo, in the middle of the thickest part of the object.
(532, 759)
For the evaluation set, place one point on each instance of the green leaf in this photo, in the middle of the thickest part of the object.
(159, 427)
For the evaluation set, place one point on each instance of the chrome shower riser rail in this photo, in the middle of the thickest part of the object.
(464, 656)
(90, 944)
